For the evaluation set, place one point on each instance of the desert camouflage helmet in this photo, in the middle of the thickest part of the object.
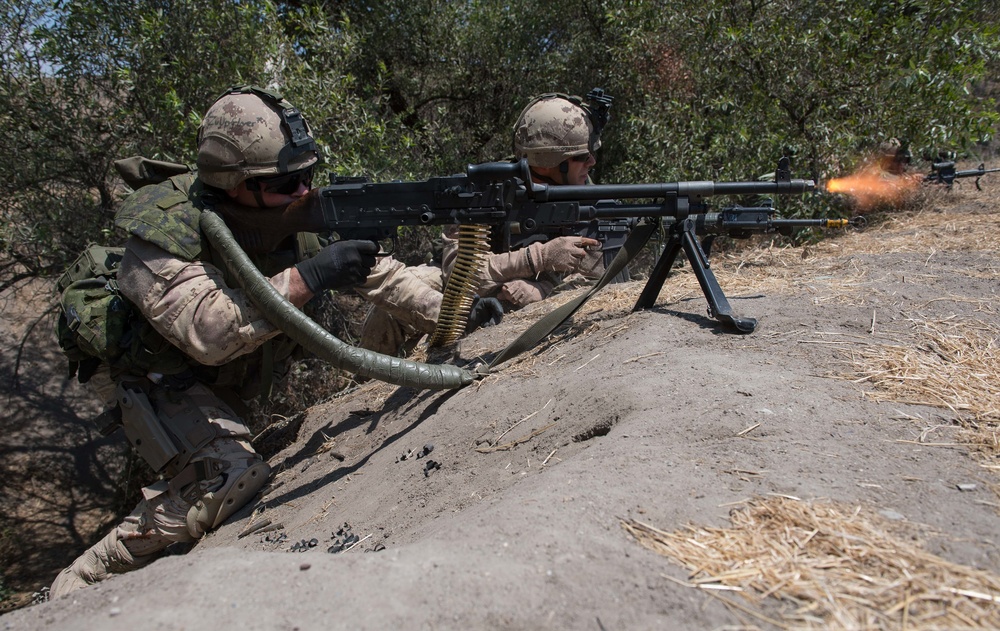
(554, 128)
(250, 132)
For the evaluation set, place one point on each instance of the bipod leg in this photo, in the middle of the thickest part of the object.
(718, 305)
(659, 274)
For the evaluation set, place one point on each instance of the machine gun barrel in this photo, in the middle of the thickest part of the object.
(695, 189)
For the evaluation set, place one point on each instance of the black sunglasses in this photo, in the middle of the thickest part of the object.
(582, 158)
(282, 184)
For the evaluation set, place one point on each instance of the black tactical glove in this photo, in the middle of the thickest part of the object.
(339, 265)
(484, 312)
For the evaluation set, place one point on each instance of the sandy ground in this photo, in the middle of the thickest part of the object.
(500, 506)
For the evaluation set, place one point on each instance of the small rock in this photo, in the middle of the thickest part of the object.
(428, 448)
(891, 514)
(114, 611)
(304, 567)
(966, 487)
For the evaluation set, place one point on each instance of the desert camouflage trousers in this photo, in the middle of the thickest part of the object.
(406, 309)
(173, 511)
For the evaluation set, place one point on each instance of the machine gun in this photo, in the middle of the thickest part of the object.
(945, 173)
(499, 193)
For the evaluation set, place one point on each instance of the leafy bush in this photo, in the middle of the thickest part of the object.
(407, 89)
(721, 90)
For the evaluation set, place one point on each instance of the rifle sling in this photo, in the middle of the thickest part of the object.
(541, 329)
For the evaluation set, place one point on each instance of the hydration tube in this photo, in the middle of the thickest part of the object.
(299, 327)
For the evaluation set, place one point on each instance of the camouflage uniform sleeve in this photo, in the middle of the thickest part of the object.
(502, 268)
(411, 298)
(189, 303)
(499, 268)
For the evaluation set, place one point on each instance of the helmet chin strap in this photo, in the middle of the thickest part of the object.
(563, 168)
(258, 194)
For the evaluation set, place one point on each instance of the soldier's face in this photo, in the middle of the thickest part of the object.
(577, 170)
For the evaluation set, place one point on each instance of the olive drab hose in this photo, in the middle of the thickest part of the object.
(307, 333)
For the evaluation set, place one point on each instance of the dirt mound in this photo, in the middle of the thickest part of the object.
(507, 504)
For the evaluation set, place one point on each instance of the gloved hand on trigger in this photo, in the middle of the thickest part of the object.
(562, 254)
(339, 265)
(484, 312)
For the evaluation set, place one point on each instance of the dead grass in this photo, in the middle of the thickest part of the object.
(954, 364)
(830, 566)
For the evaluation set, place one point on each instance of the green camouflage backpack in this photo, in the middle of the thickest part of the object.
(93, 327)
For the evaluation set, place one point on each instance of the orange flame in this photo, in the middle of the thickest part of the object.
(870, 186)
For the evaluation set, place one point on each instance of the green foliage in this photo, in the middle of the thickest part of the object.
(411, 88)
(86, 82)
(349, 117)
(456, 74)
(720, 90)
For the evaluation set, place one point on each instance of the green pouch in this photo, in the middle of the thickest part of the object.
(93, 325)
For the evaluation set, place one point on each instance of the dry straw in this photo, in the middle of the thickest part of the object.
(953, 364)
(950, 363)
(829, 566)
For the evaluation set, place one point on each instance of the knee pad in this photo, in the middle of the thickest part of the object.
(216, 506)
